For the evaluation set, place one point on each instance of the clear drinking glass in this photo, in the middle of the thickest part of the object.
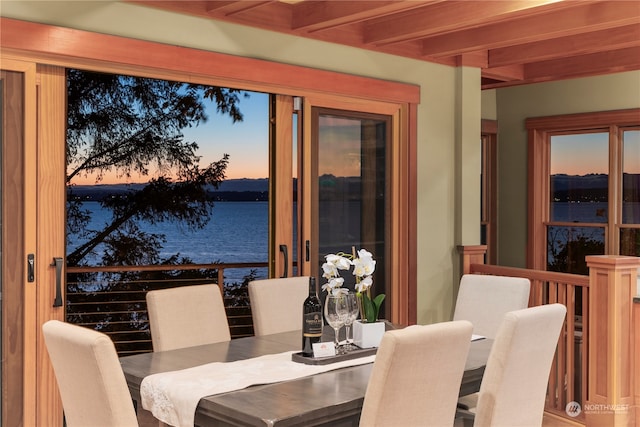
(335, 311)
(353, 312)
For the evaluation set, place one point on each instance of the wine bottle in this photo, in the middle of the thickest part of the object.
(312, 321)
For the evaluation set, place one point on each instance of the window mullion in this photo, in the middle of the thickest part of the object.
(612, 234)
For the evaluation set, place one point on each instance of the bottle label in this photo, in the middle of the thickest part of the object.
(312, 325)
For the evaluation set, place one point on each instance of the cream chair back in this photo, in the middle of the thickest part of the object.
(92, 385)
(485, 299)
(515, 380)
(416, 376)
(276, 304)
(187, 316)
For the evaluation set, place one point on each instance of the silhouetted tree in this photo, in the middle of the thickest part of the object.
(568, 248)
(131, 125)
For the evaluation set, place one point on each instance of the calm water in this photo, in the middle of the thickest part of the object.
(237, 232)
(595, 212)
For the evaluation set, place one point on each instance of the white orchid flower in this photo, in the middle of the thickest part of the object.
(364, 254)
(363, 267)
(329, 270)
(340, 262)
(364, 284)
(367, 261)
(333, 285)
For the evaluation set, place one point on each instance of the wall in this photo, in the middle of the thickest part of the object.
(488, 104)
(514, 106)
(437, 113)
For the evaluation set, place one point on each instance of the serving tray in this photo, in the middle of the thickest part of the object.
(351, 354)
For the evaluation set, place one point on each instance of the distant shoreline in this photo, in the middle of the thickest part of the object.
(566, 188)
(231, 190)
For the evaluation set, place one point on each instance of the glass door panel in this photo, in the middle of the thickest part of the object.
(350, 187)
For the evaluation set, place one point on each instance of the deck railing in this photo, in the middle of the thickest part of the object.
(595, 376)
(112, 299)
(568, 378)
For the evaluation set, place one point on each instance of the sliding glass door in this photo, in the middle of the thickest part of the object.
(350, 189)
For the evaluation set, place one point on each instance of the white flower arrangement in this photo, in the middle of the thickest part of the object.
(363, 268)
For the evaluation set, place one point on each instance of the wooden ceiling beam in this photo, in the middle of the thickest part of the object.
(213, 5)
(581, 44)
(322, 15)
(477, 59)
(507, 73)
(230, 8)
(198, 8)
(448, 16)
(580, 18)
(620, 60)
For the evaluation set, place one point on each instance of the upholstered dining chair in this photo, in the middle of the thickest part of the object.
(515, 379)
(276, 304)
(416, 376)
(187, 316)
(91, 382)
(484, 300)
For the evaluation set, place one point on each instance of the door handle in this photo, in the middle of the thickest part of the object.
(57, 262)
(285, 252)
(31, 268)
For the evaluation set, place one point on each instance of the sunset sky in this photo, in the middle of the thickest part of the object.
(589, 153)
(247, 144)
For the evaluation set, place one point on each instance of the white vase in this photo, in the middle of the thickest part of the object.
(368, 335)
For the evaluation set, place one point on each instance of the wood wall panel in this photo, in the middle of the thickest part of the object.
(12, 281)
(50, 189)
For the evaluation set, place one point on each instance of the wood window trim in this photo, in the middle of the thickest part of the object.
(539, 129)
(64, 47)
(76, 48)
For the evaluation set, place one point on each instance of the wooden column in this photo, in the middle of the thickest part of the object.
(636, 352)
(612, 380)
(472, 254)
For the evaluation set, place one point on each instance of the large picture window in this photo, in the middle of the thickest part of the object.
(585, 188)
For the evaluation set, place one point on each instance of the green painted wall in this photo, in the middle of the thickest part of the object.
(489, 107)
(514, 106)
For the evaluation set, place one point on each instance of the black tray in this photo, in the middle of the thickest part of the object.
(351, 354)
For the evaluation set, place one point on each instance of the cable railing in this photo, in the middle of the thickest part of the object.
(112, 299)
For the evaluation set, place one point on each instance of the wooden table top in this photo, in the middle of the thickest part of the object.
(332, 398)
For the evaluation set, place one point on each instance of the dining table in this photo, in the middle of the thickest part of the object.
(332, 398)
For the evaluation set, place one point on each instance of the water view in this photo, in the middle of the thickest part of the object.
(237, 232)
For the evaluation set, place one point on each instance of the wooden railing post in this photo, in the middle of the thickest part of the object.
(611, 394)
(473, 254)
(636, 352)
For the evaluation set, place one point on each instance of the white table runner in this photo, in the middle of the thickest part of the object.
(172, 397)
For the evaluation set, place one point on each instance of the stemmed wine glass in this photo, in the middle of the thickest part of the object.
(335, 311)
(352, 314)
